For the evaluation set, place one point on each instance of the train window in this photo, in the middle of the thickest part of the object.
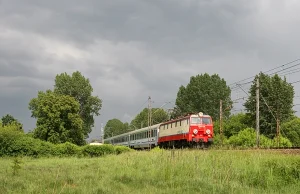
(171, 125)
(195, 120)
(206, 120)
(187, 121)
(180, 122)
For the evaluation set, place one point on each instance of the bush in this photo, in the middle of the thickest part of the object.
(95, 151)
(8, 135)
(14, 142)
(283, 142)
(245, 138)
(66, 149)
(121, 149)
(25, 146)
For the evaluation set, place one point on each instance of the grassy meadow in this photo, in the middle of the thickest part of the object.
(158, 171)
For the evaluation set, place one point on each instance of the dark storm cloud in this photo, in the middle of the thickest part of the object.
(131, 49)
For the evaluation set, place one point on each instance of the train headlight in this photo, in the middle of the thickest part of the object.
(195, 131)
(207, 131)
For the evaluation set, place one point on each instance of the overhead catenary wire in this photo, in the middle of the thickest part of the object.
(281, 66)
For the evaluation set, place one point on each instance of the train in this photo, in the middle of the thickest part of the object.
(190, 131)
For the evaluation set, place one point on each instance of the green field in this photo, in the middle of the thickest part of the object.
(208, 171)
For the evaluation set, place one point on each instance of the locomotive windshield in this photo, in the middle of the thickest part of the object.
(197, 120)
(206, 120)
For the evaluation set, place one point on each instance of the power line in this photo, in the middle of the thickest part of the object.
(140, 107)
(295, 82)
(285, 69)
(265, 72)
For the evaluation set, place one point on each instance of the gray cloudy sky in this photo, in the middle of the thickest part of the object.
(131, 49)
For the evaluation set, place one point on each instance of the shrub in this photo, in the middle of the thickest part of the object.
(121, 149)
(66, 149)
(245, 138)
(95, 151)
(14, 142)
(25, 146)
(283, 142)
(8, 135)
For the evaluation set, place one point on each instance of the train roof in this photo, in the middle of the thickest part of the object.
(185, 117)
(135, 131)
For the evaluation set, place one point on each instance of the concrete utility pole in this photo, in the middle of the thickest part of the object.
(221, 115)
(257, 113)
(149, 120)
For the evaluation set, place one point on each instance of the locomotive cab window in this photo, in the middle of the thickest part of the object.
(206, 120)
(195, 120)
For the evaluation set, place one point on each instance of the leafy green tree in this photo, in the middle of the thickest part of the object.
(278, 94)
(9, 119)
(115, 127)
(141, 120)
(291, 130)
(57, 116)
(80, 88)
(203, 94)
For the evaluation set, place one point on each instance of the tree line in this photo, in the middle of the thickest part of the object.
(203, 94)
(66, 112)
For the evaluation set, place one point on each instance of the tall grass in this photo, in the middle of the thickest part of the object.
(158, 171)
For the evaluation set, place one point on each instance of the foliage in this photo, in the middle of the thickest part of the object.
(278, 94)
(283, 142)
(121, 149)
(96, 151)
(16, 165)
(67, 149)
(8, 135)
(232, 125)
(15, 143)
(57, 116)
(203, 94)
(9, 119)
(115, 127)
(79, 87)
(291, 130)
(247, 138)
(159, 115)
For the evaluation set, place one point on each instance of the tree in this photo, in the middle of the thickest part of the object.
(278, 94)
(9, 119)
(203, 94)
(141, 120)
(291, 130)
(80, 88)
(57, 116)
(115, 127)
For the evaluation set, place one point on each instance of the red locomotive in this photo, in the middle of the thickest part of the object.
(195, 130)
